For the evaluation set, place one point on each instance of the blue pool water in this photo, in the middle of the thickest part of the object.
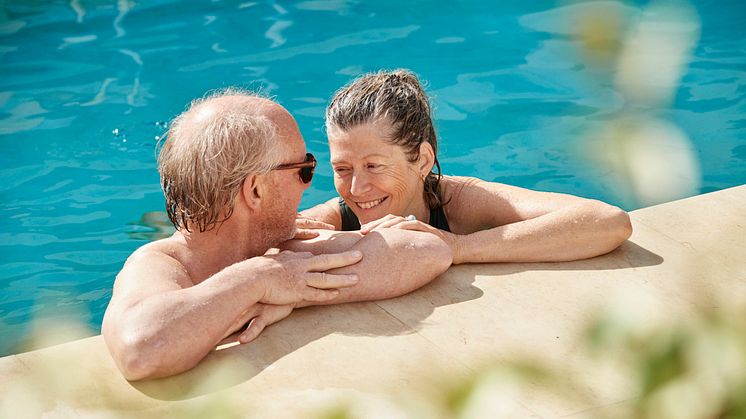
(86, 87)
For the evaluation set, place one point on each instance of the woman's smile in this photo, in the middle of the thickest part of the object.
(370, 204)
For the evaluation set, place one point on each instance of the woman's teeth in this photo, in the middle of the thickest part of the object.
(370, 204)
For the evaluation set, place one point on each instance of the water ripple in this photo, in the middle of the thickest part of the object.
(52, 221)
(26, 239)
(91, 258)
(274, 33)
(324, 47)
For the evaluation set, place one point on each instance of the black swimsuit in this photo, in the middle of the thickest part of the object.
(351, 223)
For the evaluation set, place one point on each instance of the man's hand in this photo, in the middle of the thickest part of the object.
(289, 277)
(306, 228)
(268, 315)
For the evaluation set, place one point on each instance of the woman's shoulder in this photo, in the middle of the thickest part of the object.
(455, 187)
(471, 203)
(328, 212)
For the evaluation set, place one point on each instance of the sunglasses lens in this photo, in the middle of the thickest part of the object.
(306, 174)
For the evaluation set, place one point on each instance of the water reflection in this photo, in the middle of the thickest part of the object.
(156, 226)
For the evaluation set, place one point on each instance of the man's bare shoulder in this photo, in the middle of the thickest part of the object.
(171, 248)
(166, 258)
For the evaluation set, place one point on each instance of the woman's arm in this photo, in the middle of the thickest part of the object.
(492, 222)
(502, 223)
(328, 212)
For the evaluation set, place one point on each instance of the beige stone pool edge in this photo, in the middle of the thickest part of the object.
(682, 255)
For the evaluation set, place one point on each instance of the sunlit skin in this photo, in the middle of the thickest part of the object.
(177, 298)
(375, 177)
(489, 221)
(285, 205)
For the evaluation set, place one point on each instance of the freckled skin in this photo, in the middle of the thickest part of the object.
(489, 221)
(368, 167)
(177, 298)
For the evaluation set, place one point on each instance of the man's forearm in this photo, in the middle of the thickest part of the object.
(394, 262)
(171, 332)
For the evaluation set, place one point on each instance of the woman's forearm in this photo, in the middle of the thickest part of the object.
(575, 232)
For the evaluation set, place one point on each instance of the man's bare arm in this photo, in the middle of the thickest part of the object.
(395, 262)
(159, 324)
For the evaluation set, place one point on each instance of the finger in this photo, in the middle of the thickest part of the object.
(317, 295)
(390, 223)
(273, 251)
(304, 234)
(253, 330)
(291, 256)
(329, 261)
(375, 223)
(324, 280)
(413, 226)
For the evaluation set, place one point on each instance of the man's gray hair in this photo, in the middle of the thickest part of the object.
(205, 159)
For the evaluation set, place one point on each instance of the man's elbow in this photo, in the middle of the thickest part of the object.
(621, 225)
(444, 255)
(134, 367)
(137, 356)
(617, 226)
(130, 355)
(438, 252)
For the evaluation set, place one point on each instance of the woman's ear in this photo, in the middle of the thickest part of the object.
(426, 160)
(250, 190)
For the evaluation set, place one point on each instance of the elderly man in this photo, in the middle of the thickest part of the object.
(233, 170)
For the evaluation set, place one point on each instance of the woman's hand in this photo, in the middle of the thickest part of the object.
(305, 228)
(394, 221)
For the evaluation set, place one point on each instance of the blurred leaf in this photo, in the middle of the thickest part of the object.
(663, 366)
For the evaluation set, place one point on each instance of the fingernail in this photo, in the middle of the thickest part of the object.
(357, 253)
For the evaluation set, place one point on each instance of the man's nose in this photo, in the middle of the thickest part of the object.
(359, 184)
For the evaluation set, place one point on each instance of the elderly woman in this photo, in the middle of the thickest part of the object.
(384, 152)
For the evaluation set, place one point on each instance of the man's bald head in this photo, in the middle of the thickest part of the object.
(212, 147)
(206, 110)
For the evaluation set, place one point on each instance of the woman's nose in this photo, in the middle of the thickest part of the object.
(359, 184)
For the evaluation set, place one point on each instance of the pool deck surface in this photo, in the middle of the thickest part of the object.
(682, 255)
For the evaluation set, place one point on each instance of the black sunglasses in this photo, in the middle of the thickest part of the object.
(306, 168)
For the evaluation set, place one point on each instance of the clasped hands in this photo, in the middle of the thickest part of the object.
(290, 278)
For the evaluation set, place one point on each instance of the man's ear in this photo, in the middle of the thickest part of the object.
(426, 160)
(250, 190)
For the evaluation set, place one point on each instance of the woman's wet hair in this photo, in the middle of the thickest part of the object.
(398, 98)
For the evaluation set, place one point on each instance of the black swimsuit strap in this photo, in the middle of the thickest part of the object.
(350, 221)
(438, 219)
